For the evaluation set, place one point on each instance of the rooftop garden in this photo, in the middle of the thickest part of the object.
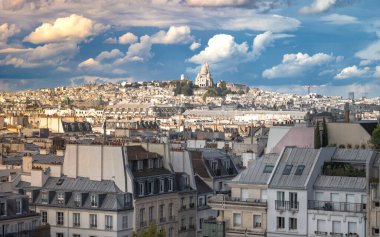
(343, 169)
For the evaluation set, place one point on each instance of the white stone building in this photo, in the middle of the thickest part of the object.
(204, 78)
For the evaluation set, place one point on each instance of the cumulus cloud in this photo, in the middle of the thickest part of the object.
(337, 19)
(351, 72)
(294, 65)
(377, 72)
(371, 52)
(128, 38)
(216, 2)
(6, 31)
(106, 55)
(89, 63)
(194, 46)
(175, 35)
(318, 6)
(71, 28)
(48, 54)
(264, 40)
(103, 62)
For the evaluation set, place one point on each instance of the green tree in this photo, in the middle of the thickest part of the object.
(325, 136)
(375, 138)
(151, 231)
(317, 137)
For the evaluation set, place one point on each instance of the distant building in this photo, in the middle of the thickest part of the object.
(351, 95)
(204, 78)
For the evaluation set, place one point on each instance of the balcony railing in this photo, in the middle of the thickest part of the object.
(109, 227)
(224, 199)
(76, 224)
(182, 229)
(192, 205)
(93, 225)
(320, 233)
(286, 205)
(191, 227)
(333, 234)
(337, 206)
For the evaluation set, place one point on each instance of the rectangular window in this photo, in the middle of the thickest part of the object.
(321, 226)
(150, 187)
(76, 219)
(150, 163)
(109, 222)
(161, 211)
(142, 210)
(287, 169)
(293, 202)
(93, 221)
(226, 164)
(170, 185)
(125, 222)
(200, 202)
(280, 200)
(60, 198)
(44, 197)
(237, 219)
(159, 163)
(162, 185)
(141, 185)
(150, 213)
(60, 217)
(375, 231)
(59, 235)
(352, 227)
(280, 222)
(94, 200)
(170, 210)
(44, 217)
(171, 232)
(127, 200)
(292, 223)
(299, 169)
(336, 227)
(77, 200)
(268, 169)
(256, 221)
(2, 209)
(214, 166)
(200, 223)
(76, 235)
(139, 165)
(18, 206)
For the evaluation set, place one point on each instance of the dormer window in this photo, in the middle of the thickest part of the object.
(226, 164)
(44, 197)
(214, 165)
(159, 163)
(60, 198)
(139, 165)
(18, 206)
(150, 187)
(150, 163)
(127, 200)
(141, 189)
(77, 200)
(170, 188)
(162, 185)
(94, 200)
(29, 194)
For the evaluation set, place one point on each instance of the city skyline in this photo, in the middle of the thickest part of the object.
(270, 44)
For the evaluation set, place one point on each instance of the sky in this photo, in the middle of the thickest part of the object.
(333, 46)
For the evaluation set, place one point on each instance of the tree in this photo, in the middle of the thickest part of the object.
(325, 136)
(151, 231)
(375, 138)
(317, 137)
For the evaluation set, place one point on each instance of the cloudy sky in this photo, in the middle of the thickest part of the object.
(332, 45)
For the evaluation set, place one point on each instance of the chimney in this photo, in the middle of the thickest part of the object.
(60, 152)
(44, 151)
(27, 163)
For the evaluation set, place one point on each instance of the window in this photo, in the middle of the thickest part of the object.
(60, 218)
(141, 185)
(321, 226)
(2, 209)
(109, 222)
(280, 200)
(256, 221)
(125, 222)
(336, 227)
(226, 164)
(352, 227)
(287, 169)
(190, 222)
(127, 200)
(76, 235)
(280, 222)
(268, 169)
(299, 170)
(60, 198)
(375, 231)
(76, 219)
(162, 185)
(77, 200)
(293, 203)
(292, 223)
(93, 221)
(150, 163)
(44, 217)
(159, 165)
(237, 219)
(59, 235)
(150, 216)
(44, 197)
(200, 223)
(171, 232)
(150, 187)
(139, 165)
(162, 211)
(18, 206)
(94, 200)
(29, 194)
(170, 185)
(170, 210)
(200, 202)
(142, 210)
(214, 166)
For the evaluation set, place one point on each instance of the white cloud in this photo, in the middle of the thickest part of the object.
(103, 62)
(377, 72)
(111, 40)
(139, 51)
(294, 65)
(89, 63)
(48, 54)
(106, 55)
(337, 19)
(6, 31)
(372, 52)
(194, 46)
(15, 50)
(216, 2)
(128, 38)
(318, 6)
(175, 35)
(351, 72)
(265, 40)
(71, 28)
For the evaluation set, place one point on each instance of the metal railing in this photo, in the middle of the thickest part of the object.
(337, 206)
(286, 205)
(224, 199)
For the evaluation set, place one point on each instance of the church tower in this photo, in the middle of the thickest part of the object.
(204, 78)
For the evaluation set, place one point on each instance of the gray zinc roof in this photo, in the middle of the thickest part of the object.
(341, 183)
(353, 155)
(255, 173)
(294, 156)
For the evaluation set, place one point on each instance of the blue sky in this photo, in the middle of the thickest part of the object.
(282, 45)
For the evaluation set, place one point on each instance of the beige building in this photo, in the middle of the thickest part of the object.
(244, 212)
(204, 78)
(354, 134)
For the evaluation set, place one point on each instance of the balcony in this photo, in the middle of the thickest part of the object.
(320, 233)
(93, 226)
(333, 234)
(109, 227)
(183, 208)
(227, 200)
(182, 229)
(336, 206)
(352, 235)
(286, 205)
(191, 227)
(192, 205)
(76, 224)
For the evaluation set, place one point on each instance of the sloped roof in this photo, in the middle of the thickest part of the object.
(296, 136)
(352, 155)
(198, 164)
(341, 183)
(202, 187)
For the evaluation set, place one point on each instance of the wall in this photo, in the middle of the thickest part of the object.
(347, 133)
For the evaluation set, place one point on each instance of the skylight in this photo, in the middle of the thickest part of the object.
(299, 170)
(287, 169)
(268, 169)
